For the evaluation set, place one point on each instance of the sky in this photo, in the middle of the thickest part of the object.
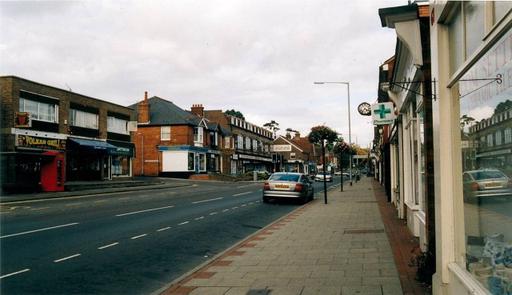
(258, 57)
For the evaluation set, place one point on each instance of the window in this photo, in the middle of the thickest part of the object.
(247, 143)
(508, 135)
(240, 142)
(202, 162)
(254, 145)
(198, 135)
(474, 20)
(190, 161)
(227, 142)
(39, 110)
(116, 125)
(165, 133)
(498, 137)
(500, 9)
(83, 119)
(490, 142)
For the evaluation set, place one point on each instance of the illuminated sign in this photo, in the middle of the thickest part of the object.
(40, 142)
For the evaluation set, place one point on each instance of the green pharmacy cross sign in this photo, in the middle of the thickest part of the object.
(383, 113)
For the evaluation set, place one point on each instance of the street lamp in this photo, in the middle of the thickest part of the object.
(349, 121)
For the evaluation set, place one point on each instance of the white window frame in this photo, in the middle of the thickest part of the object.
(82, 119)
(114, 125)
(165, 133)
(198, 137)
(37, 116)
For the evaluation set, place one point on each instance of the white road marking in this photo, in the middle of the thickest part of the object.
(108, 246)
(66, 258)
(41, 208)
(213, 213)
(183, 223)
(164, 228)
(199, 218)
(234, 208)
(225, 210)
(209, 200)
(14, 273)
(139, 236)
(147, 210)
(243, 205)
(38, 230)
(241, 194)
(251, 203)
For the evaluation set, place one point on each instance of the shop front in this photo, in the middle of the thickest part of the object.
(88, 159)
(121, 158)
(473, 148)
(37, 164)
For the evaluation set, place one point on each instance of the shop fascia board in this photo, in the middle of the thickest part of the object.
(19, 131)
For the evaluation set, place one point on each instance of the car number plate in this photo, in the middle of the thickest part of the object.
(493, 184)
(282, 186)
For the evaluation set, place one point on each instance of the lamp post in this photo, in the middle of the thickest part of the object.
(349, 121)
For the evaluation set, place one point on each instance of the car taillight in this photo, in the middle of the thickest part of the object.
(266, 186)
(474, 186)
(298, 187)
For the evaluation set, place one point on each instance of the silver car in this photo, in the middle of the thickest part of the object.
(321, 175)
(486, 183)
(288, 185)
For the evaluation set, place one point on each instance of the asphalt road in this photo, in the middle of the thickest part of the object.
(126, 243)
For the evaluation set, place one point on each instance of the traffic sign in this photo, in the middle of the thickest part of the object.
(383, 113)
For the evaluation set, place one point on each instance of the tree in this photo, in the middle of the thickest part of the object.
(503, 106)
(323, 135)
(272, 126)
(235, 113)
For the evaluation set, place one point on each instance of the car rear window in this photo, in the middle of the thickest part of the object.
(488, 174)
(285, 177)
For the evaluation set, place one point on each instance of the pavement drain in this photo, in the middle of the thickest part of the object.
(363, 231)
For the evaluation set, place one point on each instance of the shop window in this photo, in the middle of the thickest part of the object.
(165, 133)
(202, 162)
(190, 161)
(474, 13)
(486, 182)
(120, 166)
(501, 8)
(117, 125)
(39, 110)
(456, 33)
(83, 119)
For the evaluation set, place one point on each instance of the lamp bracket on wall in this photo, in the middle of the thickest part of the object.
(498, 79)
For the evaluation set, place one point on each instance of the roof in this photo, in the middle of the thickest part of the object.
(391, 15)
(304, 143)
(164, 112)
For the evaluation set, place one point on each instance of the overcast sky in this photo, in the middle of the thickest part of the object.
(260, 57)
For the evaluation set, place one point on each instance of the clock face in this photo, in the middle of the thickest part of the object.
(365, 109)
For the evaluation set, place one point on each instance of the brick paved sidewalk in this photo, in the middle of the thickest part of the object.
(338, 248)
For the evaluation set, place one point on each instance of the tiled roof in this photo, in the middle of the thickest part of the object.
(164, 112)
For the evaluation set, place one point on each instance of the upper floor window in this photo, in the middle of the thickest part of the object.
(508, 135)
(83, 119)
(165, 133)
(39, 110)
(198, 135)
(116, 125)
(498, 137)
(490, 141)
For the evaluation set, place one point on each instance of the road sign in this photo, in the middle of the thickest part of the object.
(383, 113)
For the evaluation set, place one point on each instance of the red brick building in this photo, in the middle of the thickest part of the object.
(174, 142)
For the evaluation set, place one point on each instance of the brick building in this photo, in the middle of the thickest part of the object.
(175, 142)
(50, 135)
(246, 147)
(294, 154)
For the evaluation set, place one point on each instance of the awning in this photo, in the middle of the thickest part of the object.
(90, 145)
(122, 148)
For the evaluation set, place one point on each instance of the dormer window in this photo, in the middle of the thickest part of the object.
(198, 136)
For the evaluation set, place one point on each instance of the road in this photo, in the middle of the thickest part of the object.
(126, 243)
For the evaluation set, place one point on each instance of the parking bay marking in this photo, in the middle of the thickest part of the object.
(143, 211)
(241, 194)
(39, 230)
(209, 200)
(14, 273)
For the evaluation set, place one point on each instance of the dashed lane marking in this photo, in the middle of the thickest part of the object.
(234, 208)
(41, 208)
(243, 205)
(143, 211)
(164, 228)
(213, 213)
(108, 246)
(14, 273)
(39, 230)
(241, 194)
(209, 200)
(67, 258)
(183, 223)
(225, 210)
(199, 218)
(138, 237)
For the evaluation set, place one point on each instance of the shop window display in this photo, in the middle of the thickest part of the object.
(487, 169)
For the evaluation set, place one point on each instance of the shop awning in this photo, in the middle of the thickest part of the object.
(90, 145)
(122, 148)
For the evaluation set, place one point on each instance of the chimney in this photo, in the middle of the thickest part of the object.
(143, 110)
(198, 110)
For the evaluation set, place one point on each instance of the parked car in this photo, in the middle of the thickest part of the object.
(486, 183)
(321, 175)
(288, 185)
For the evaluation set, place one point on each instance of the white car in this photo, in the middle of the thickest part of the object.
(321, 175)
